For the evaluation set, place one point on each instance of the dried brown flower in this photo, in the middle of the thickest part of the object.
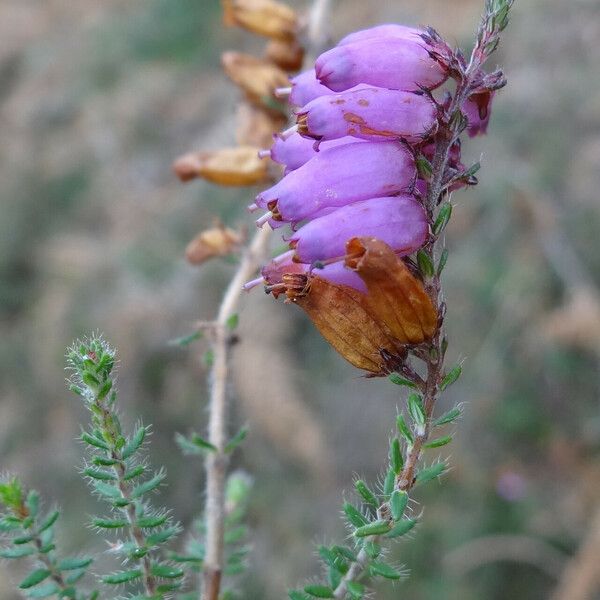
(264, 17)
(286, 54)
(229, 166)
(217, 241)
(258, 78)
(396, 296)
(256, 126)
(343, 317)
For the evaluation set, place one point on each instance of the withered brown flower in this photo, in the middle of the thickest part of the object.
(264, 17)
(216, 241)
(370, 330)
(343, 317)
(229, 166)
(396, 296)
(258, 78)
(287, 54)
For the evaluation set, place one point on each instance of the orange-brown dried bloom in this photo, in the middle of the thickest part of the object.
(228, 166)
(396, 297)
(217, 241)
(263, 17)
(258, 78)
(287, 54)
(256, 125)
(343, 317)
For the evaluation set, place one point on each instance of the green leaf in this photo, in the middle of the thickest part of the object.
(233, 321)
(416, 409)
(374, 528)
(401, 528)
(404, 429)
(134, 443)
(109, 491)
(443, 217)
(149, 522)
(186, 340)
(297, 595)
(396, 459)
(74, 576)
(71, 564)
(451, 377)
(439, 442)
(100, 474)
(34, 578)
(388, 484)
(149, 485)
(355, 589)
(398, 502)
(94, 441)
(23, 539)
(110, 523)
(353, 515)
(430, 473)
(344, 552)
(122, 577)
(11, 493)
(424, 167)
(365, 493)
(202, 443)
(372, 549)
(45, 591)
(236, 440)
(160, 537)
(448, 417)
(442, 262)
(102, 461)
(398, 380)
(134, 472)
(49, 521)
(425, 263)
(187, 447)
(384, 570)
(33, 503)
(319, 591)
(18, 552)
(166, 571)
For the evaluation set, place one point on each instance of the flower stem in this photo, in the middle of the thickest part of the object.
(216, 462)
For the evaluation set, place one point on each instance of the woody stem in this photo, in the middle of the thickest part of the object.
(216, 462)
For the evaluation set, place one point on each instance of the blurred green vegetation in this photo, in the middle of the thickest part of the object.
(96, 101)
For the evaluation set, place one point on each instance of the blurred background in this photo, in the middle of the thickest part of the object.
(98, 98)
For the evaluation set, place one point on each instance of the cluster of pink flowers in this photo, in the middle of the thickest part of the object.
(364, 114)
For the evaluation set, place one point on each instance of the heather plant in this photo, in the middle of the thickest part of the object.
(369, 168)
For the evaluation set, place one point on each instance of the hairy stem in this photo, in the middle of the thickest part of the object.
(216, 462)
(136, 534)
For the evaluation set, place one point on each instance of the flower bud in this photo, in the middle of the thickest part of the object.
(396, 63)
(342, 316)
(264, 17)
(229, 166)
(369, 113)
(397, 297)
(295, 150)
(256, 77)
(306, 87)
(399, 221)
(382, 31)
(217, 241)
(286, 54)
(256, 125)
(339, 176)
(477, 109)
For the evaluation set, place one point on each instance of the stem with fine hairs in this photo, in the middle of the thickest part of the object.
(216, 462)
